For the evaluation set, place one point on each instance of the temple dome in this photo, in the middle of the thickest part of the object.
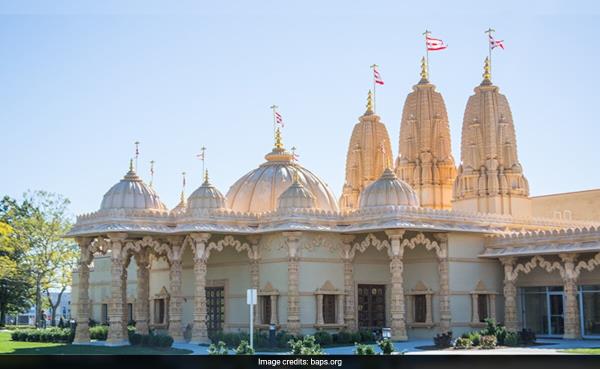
(259, 190)
(296, 197)
(388, 190)
(206, 196)
(132, 193)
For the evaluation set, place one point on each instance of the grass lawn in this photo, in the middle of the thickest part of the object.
(584, 351)
(8, 347)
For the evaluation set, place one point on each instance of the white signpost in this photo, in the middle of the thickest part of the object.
(251, 297)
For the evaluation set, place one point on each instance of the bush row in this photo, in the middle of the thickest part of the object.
(65, 335)
(495, 334)
(261, 339)
(151, 340)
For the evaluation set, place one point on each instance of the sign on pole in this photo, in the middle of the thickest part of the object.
(251, 297)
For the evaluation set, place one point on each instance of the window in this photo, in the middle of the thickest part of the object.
(420, 306)
(329, 309)
(482, 307)
(104, 313)
(265, 302)
(215, 308)
(129, 312)
(159, 311)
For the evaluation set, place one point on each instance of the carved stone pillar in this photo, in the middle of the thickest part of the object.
(292, 240)
(255, 271)
(142, 308)
(397, 309)
(82, 332)
(572, 323)
(510, 294)
(116, 329)
(320, 320)
(443, 272)
(125, 317)
(493, 306)
(176, 299)
(199, 331)
(349, 312)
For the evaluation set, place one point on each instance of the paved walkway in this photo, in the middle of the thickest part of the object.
(547, 347)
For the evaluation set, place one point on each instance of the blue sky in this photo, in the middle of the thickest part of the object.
(81, 81)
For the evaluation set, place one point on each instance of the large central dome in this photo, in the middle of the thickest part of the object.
(259, 190)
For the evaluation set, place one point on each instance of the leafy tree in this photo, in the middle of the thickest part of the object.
(48, 256)
(15, 281)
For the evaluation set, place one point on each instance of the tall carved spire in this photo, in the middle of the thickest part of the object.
(425, 159)
(490, 178)
(369, 153)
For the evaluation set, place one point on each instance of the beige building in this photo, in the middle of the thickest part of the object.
(422, 247)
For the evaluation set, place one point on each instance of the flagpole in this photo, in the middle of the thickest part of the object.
(374, 66)
(137, 153)
(274, 108)
(489, 32)
(426, 33)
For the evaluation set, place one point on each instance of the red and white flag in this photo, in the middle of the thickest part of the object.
(278, 118)
(377, 77)
(496, 43)
(435, 44)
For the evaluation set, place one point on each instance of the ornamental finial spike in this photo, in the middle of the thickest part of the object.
(369, 103)
(487, 71)
(424, 76)
(278, 141)
(131, 165)
(206, 176)
(183, 187)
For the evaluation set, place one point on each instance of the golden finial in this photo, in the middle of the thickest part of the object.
(424, 76)
(131, 165)
(487, 74)
(278, 141)
(206, 176)
(295, 176)
(370, 102)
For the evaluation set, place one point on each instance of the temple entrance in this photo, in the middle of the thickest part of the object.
(371, 306)
(215, 308)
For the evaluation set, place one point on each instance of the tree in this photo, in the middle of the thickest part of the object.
(47, 253)
(15, 281)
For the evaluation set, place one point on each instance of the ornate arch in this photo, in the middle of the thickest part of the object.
(231, 242)
(421, 239)
(588, 265)
(370, 241)
(536, 261)
(99, 245)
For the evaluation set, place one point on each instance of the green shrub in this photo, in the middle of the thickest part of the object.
(244, 349)
(527, 337)
(362, 349)
(99, 332)
(305, 346)
(462, 343)
(511, 339)
(219, 349)
(488, 342)
(386, 346)
(344, 337)
(53, 334)
(443, 340)
(366, 336)
(323, 338)
(283, 338)
(493, 329)
(475, 337)
(135, 339)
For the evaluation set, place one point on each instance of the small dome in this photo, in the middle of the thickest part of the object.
(388, 190)
(206, 196)
(131, 193)
(296, 197)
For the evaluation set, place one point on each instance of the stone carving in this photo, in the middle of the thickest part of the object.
(229, 241)
(369, 240)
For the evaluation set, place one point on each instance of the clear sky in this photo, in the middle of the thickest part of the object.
(81, 81)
